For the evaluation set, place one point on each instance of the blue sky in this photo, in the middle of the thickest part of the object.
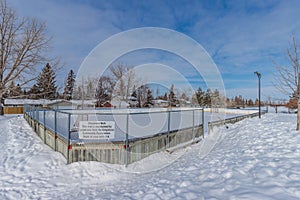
(240, 36)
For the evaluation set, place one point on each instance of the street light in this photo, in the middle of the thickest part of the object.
(259, 106)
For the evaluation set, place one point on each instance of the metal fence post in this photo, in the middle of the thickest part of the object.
(169, 127)
(69, 138)
(28, 111)
(55, 129)
(24, 111)
(126, 142)
(203, 122)
(44, 123)
(36, 119)
(29, 115)
(193, 131)
(36, 114)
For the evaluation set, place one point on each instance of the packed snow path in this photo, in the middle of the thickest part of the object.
(252, 159)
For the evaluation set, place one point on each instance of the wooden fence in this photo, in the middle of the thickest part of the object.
(13, 110)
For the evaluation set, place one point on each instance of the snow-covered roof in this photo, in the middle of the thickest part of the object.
(85, 102)
(46, 102)
(29, 101)
(159, 101)
(119, 104)
(132, 98)
(74, 102)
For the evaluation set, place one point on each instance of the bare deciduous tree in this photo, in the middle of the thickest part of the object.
(287, 77)
(22, 44)
(125, 80)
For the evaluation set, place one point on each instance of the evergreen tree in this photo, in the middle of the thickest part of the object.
(142, 95)
(18, 91)
(14, 90)
(199, 97)
(10, 92)
(149, 98)
(171, 94)
(172, 97)
(69, 85)
(134, 94)
(256, 102)
(184, 96)
(207, 98)
(104, 90)
(250, 102)
(46, 83)
(165, 96)
(34, 92)
(25, 93)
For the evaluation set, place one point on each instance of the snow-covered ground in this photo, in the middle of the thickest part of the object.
(252, 159)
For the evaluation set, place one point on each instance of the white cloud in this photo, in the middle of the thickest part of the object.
(242, 37)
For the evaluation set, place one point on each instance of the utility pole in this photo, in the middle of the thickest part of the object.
(259, 105)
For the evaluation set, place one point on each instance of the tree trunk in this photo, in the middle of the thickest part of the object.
(1, 105)
(1, 110)
(298, 115)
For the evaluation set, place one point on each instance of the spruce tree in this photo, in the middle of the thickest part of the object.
(199, 97)
(34, 92)
(172, 98)
(104, 90)
(165, 96)
(207, 98)
(69, 85)
(46, 83)
(149, 98)
(134, 93)
(15, 91)
(11, 89)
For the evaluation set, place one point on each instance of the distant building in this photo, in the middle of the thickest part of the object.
(160, 103)
(185, 103)
(72, 104)
(16, 106)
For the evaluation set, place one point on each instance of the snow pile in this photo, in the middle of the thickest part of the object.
(252, 159)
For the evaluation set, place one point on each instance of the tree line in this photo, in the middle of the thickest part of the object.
(121, 85)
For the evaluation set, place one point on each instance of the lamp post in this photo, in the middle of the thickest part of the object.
(259, 106)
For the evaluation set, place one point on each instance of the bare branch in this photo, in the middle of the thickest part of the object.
(286, 78)
(22, 46)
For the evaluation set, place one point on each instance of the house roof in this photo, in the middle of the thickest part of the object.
(45, 102)
(28, 101)
(74, 102)
(158, 101)
(117, 103)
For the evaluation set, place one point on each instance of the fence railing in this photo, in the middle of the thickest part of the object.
(136, 133)
(130, 125)
(214, 124)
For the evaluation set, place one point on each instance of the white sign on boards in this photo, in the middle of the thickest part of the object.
(96, 130)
